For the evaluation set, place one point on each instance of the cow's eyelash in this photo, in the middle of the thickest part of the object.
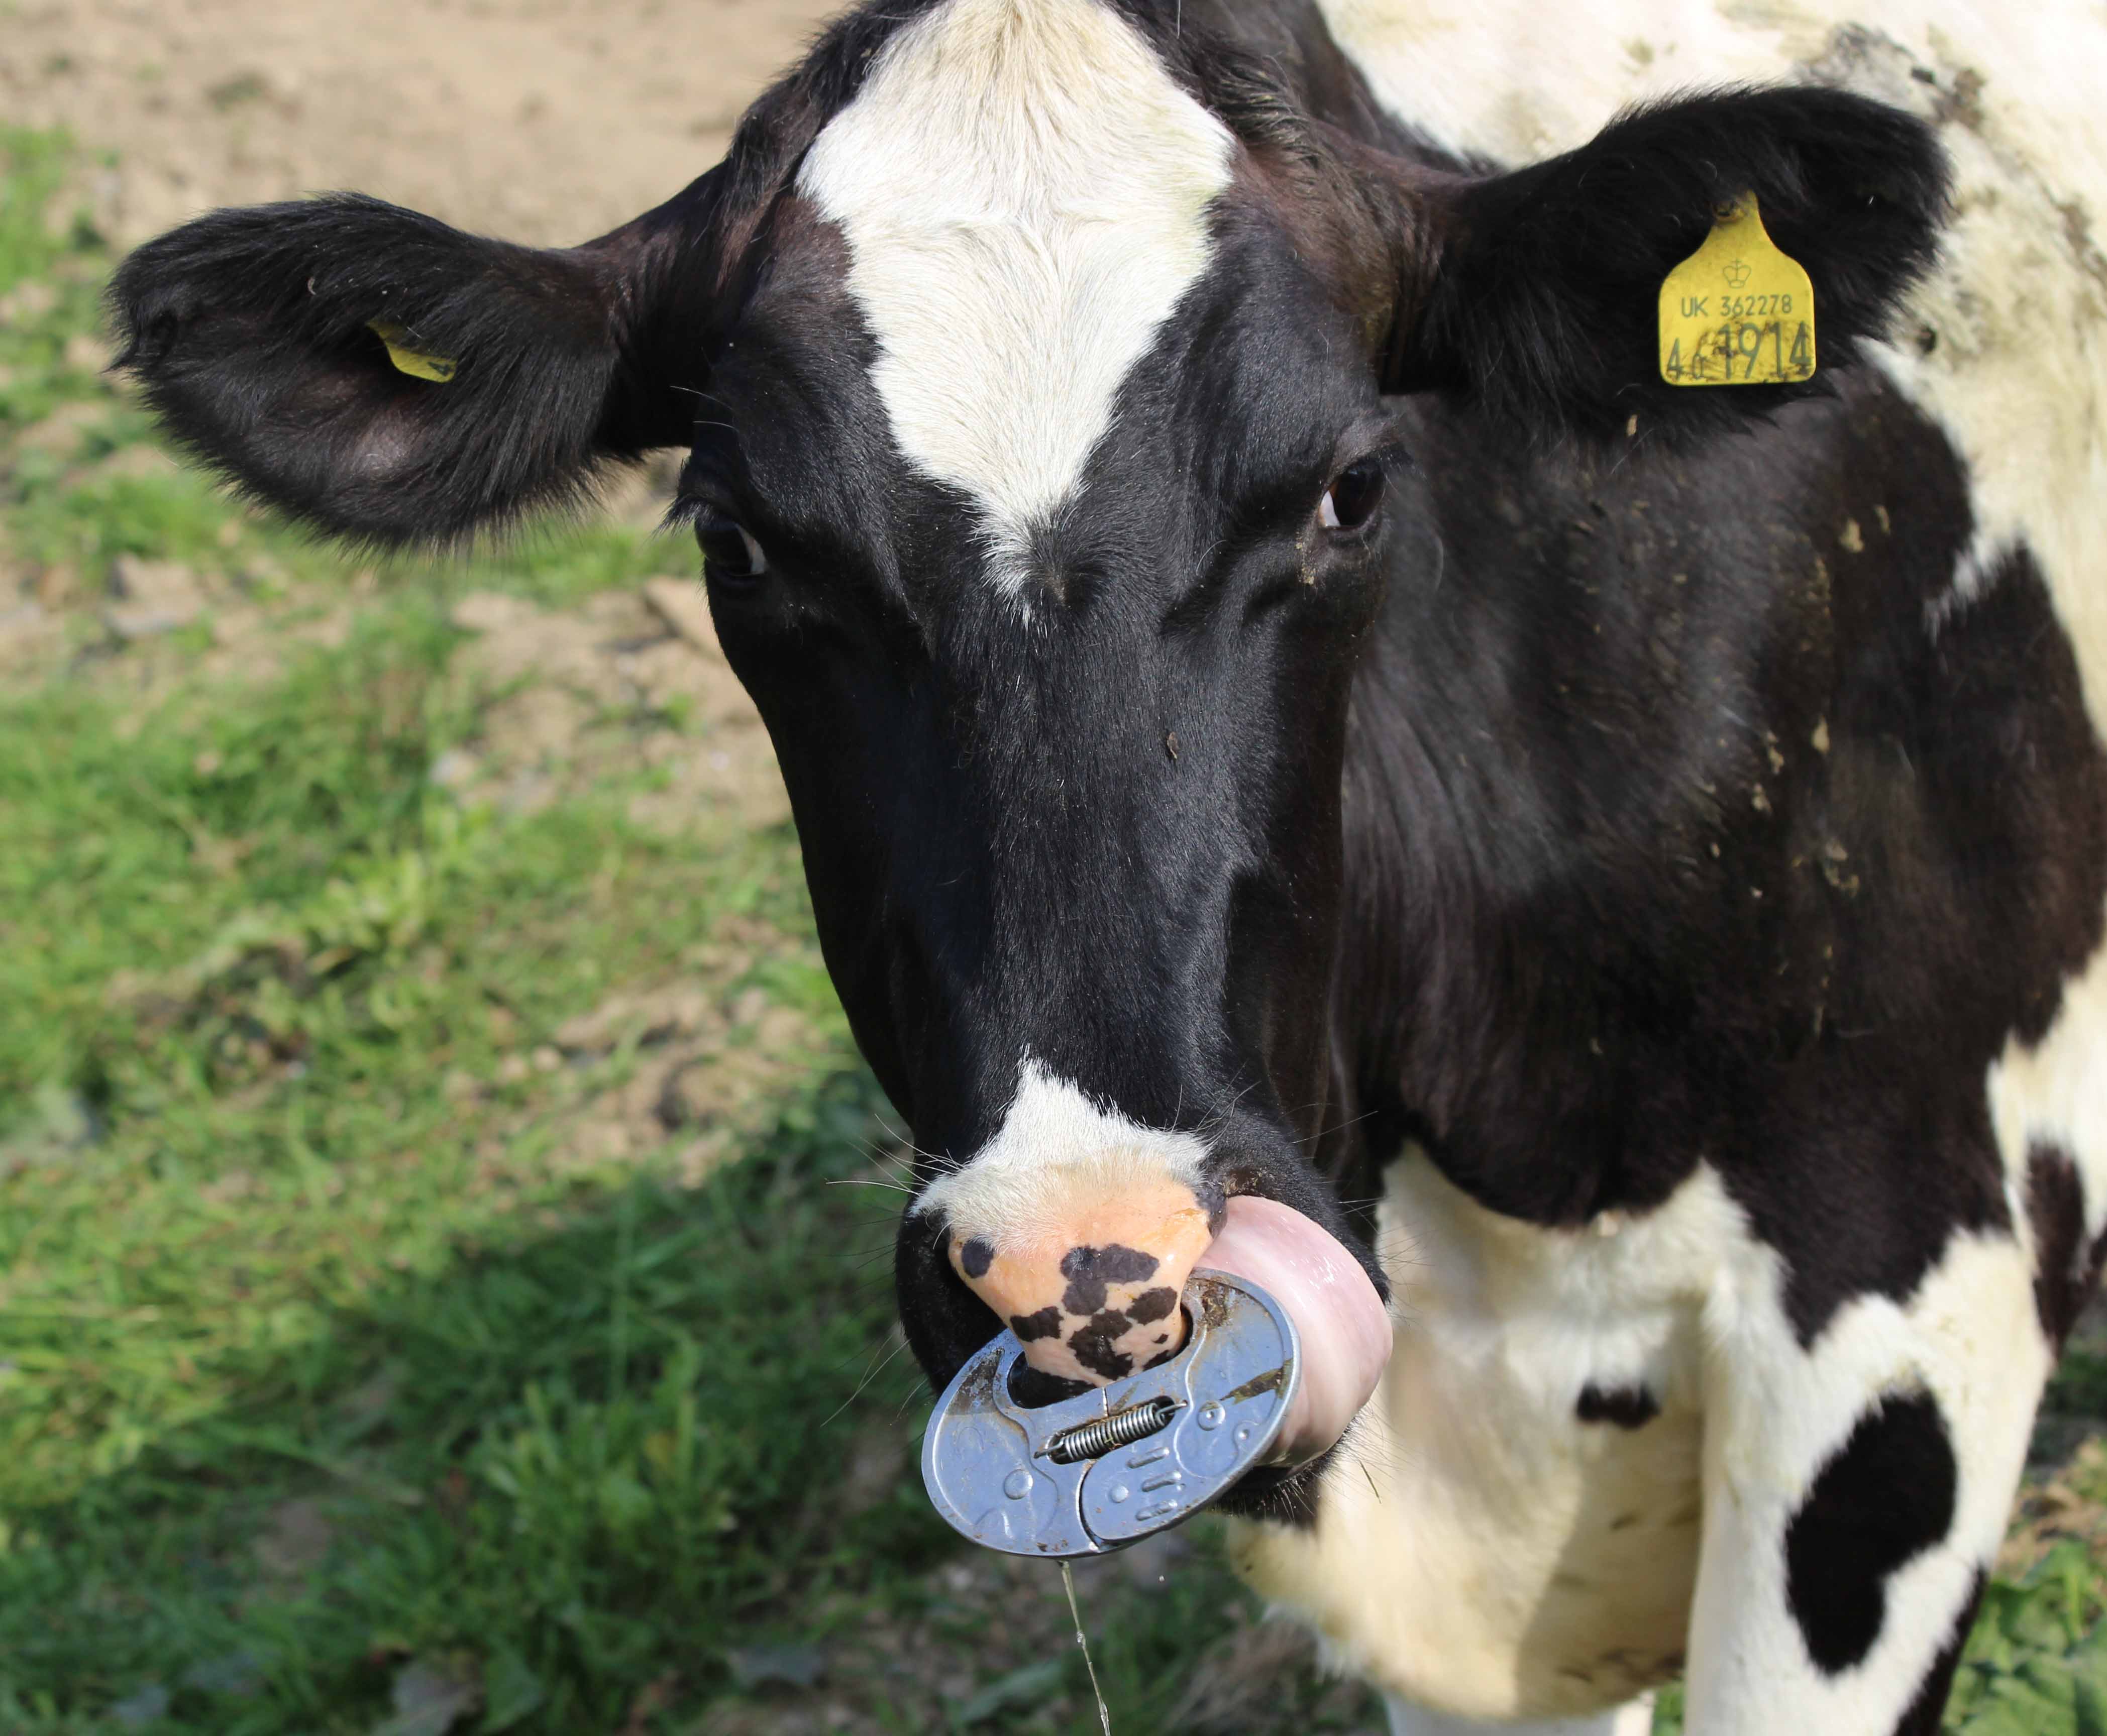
(1392, 454)
(691, 509)
(686, 510)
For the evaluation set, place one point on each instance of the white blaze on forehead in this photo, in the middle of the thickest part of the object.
(1024, 190)
(1057, 1150)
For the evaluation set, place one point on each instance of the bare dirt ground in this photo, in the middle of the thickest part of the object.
(546, 121)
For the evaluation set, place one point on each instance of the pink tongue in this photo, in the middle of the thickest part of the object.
(1344, 1327)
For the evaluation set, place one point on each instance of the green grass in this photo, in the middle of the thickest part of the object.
(338, 1392)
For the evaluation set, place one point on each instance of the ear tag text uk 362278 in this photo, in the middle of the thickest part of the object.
(1737, 311)
(408, 361)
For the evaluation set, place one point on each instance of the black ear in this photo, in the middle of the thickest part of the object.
(253, 334)
(1537, 291)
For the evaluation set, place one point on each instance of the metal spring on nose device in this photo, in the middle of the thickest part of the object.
(1093, 1440)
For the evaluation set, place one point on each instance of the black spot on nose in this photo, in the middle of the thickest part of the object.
(1044, 1324)
(1151, 1306)
(1089, 1270)
(976, 1256)
(1093, 1345)
(1627, 1406)
(1885, 1497)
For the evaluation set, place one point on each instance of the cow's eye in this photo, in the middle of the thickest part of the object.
(1354, 494)
(729, 554)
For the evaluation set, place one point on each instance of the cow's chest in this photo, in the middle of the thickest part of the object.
(1516, 1525)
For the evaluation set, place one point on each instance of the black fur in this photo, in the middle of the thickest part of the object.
(1545, 282)
(248, 331)
(1605, 808)
(2066, 1264)
(1884, 1497)
(1627, 1406)
(1581, 931)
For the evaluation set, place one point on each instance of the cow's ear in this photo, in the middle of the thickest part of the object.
(385, 376)
(1537, 291)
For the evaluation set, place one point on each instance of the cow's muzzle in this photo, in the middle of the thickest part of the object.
(1093, 1290)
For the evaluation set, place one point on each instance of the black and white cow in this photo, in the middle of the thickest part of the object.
(1304, 743)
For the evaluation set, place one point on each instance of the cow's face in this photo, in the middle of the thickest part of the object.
(1032, 354)
(1045, 495)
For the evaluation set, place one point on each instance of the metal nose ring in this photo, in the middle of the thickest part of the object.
(1090, 1474)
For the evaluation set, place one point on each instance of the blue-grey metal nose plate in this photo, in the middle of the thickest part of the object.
(988, 1464)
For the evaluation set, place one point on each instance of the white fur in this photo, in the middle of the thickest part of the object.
(1465, 1556)
(1407, 1719)
(2057, 1091)
(1056, 1146)
(1969, 1337)
(1025, 194)
(1468, 1554)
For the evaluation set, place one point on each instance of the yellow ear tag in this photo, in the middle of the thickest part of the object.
(1737, 312)
(408, 361)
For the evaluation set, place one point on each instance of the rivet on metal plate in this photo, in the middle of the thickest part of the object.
(1092, 1473)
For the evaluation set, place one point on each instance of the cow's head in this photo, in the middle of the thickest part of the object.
(1046, 365)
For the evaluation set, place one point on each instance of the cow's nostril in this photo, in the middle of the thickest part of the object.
(1092, 1289)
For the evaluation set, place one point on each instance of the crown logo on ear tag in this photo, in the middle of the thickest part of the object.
(407, 361)
(1737, 311)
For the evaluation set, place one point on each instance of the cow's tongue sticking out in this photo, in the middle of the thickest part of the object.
(1096, 1298)
(1344, 1328)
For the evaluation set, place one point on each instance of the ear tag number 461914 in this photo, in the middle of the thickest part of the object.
(1737, 311)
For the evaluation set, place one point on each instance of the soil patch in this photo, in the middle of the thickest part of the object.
(546, 121)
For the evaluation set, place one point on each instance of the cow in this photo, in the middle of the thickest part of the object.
(1312, 756)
